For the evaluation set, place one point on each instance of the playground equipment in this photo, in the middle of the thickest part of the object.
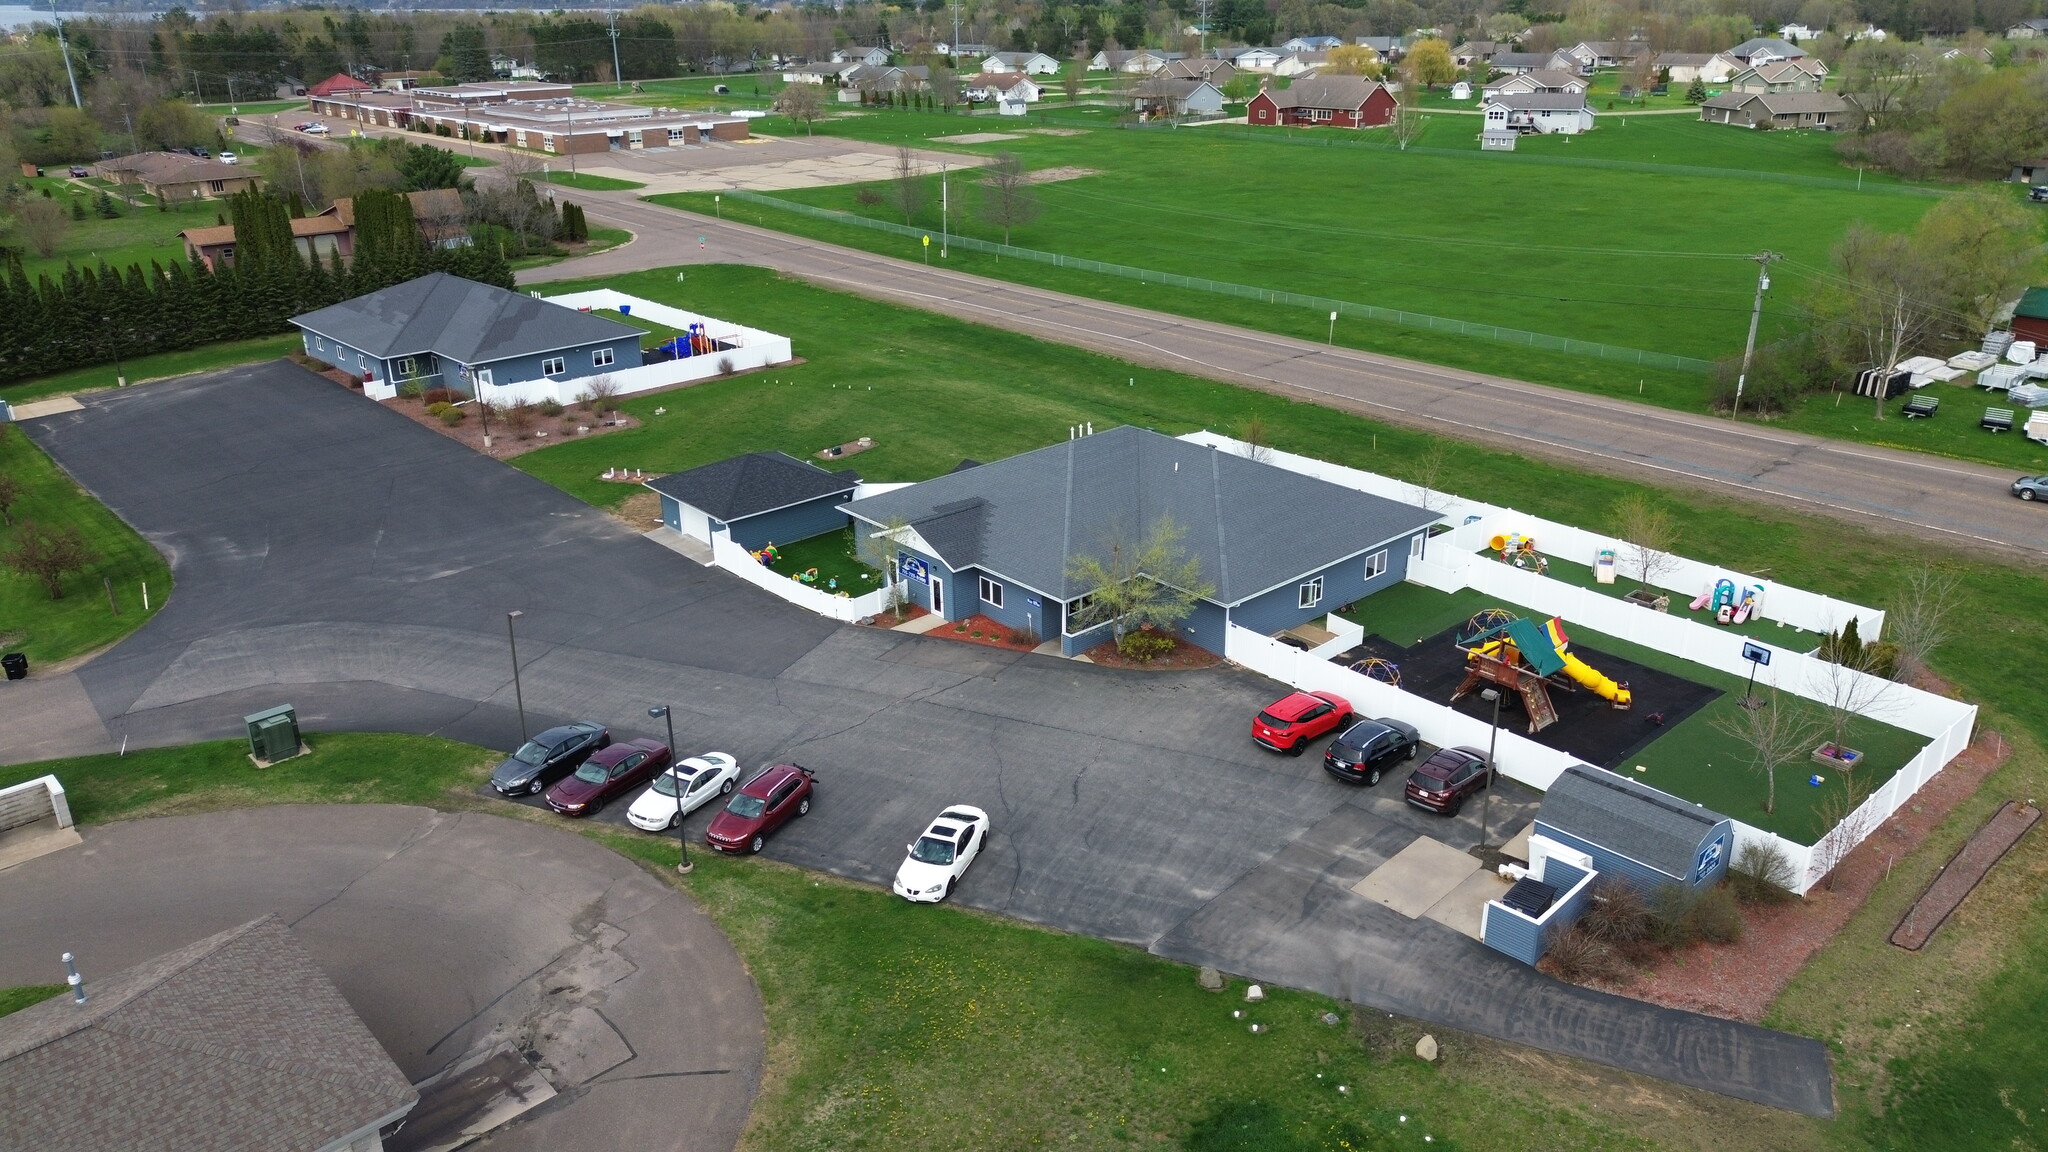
(1520, 551)
(1385, 671)
(695, 342)
(1528, 659)
(1743, 609)
(768, 555)
(1729, 604)
(1603, 567)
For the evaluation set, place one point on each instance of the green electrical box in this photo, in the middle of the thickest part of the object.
(273, 734)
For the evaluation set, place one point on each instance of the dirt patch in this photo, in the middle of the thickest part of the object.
(1057, 131)
(641, 511)
(1964, 871)
(1740, 981)
(1054, 175)
(977, 138)
(978, 629)
(1184, 657)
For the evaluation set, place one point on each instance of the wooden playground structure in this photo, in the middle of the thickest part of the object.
(1527, 659)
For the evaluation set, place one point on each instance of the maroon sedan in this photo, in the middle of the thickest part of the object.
(610, 772)
(1289, 723)
(776, 796)
(1443, 781)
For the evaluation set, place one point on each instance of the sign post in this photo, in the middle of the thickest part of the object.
(1758, 656)
(927, 248)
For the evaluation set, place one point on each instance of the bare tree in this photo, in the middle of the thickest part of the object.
(600, 394)
(1134, 582)
(1918, 622)
(877, 549)
(1648, 534)
(1843, 822)
(945, 86)
(908, 189)
(1778, 732)
(1848, 686)
(1071, 85)
(1258, 446)
(48, 555)
(1006, 197)
(1427, 476)
(802, 104)
(42, 222)
(1406, 123)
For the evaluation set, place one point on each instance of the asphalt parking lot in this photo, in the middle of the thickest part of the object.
(342, 557)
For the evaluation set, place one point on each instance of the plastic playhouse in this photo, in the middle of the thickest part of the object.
(1528, 659)
(1729, 604)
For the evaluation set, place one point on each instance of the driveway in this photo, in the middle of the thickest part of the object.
(342, 557)
(446, 932)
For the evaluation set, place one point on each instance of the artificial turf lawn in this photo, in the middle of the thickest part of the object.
(1581, 576)
(51, 630)
(835, 557)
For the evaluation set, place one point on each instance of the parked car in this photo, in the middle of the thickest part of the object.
(1369, 748)
(80, 171)
(779, 794)
(932, 867)
(548, 757)
(1442, 782)
(2031, 487)
(230, 158)
(1289, 723)
(698, 779)
(611, 772)
(314, 129)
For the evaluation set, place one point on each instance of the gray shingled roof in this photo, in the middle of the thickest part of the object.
(1761, 44)
(1252, 526)
(1632, 819)
(1508, 60)
(752, 484)
(1540, 101)
(237, 1043)
(462, 320)
(1802, 103)
(1347, 92)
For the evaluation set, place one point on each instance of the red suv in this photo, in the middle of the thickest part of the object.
(610, 772)
(1288, 724)
(1443, 781)
(776, 796)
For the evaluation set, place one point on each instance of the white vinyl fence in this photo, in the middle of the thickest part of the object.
(749, 348)
(735, 558)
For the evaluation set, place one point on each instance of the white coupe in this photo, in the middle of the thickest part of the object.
(699, 777)
(941, 856)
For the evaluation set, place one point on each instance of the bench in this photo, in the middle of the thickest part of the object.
(1996, 420)
(1922, 406)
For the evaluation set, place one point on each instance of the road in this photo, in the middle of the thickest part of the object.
(334, 554)
(1953, 502)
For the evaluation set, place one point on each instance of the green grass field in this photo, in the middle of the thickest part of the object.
(13, 1000)
(138, 236)
(53, 630)
(157, 367)
(589, 183)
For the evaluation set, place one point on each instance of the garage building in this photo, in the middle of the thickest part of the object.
(1635, 832)
(757, 499)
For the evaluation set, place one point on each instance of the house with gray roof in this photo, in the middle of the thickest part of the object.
(1823, 110)
(757, 499)
(1513, 62)
(1764, 50)
(446, 332)
(1634, 832)
(237, 1041)
(1542, 113)
(1278, 548)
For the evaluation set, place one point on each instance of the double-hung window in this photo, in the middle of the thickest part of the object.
(991, 592)
(601, 357)
(554, 366)
(1376, 564)
(1311, 592)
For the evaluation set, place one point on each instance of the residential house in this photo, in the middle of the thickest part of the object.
(317, 238)
(1324, 102)
(1256, 59)
(1002, 87)
(1300, 63)
(177, 178)
(1312, 44)
(1510, 63)
(1029, 63)
(1867, 32)
(1797, 33)
(337, 84)
(1592, 55)
(1823, 110)
(813, 73)
(1276, 548)
(756, 500)
(1706, 67)
(1173, 97)
(1781, 76)
(1464, 55)
(890, 78)
(1389, 47)
(238, 1040)
(861, 54)
(965, 52)
(1538, 113)
(2028, 29)
(1142, 62)
(1764, 50)
(1541, 80)
(447, 332)
(1217, 72)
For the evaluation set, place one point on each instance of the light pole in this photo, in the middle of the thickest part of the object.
(518, 695)
(1492, 740)
(683, 864)
(114, 343)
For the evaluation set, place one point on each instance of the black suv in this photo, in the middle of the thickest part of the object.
(548, 757)
(1369, 748)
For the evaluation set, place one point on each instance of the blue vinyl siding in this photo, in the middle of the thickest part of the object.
(788, 525)
(1082, 641)
(1644, 877)
(577, 362)
(1204, 626)
(1017, 609)
(1343, 583)
(1515, 935)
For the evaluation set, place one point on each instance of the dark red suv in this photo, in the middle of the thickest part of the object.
(1443, 781)
(1289, 723)
(776, 796)
(610, 772)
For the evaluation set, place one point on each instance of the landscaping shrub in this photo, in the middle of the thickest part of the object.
(1761, 874)
(411, 389)
(550, 408)
(435, 396)
(1716, 917)
(1576, 956)
(1617, 914)
(452, 416)
(1671, 923)
(438, 408)
(725, 367)
(1144, 645)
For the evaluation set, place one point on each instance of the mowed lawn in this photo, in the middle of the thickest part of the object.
(138, 236)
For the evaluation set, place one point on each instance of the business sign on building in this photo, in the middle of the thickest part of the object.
(911, 568)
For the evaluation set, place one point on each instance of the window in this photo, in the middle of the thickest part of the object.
(991, 592)
(218, 186)
(227, 254)
(1312, 593)
(409, 367)
(675, 135)
(1376, 564)
(553, 366)
(601, 357)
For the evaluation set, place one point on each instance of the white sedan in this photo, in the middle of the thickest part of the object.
(941, 856)
(700, 778)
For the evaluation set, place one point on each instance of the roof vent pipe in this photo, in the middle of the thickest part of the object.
(76, 981)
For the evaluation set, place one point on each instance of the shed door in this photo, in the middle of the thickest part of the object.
(695, 524)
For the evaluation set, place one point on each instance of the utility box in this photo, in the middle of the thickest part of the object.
(273, 734)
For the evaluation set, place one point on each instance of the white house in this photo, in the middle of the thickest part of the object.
(856, 54)
(1541, 80)
(813, 74)
(1312, 43)
(1300, 63)
(1800, 33)
(1539, 113)
(1256, 60)
(1706, 67)
(1002, 87)
(1029, 63)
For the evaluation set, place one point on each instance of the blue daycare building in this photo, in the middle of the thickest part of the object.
(757, 499)
(447, 332)
(1279, 548)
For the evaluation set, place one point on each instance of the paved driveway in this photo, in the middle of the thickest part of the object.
(342, 557)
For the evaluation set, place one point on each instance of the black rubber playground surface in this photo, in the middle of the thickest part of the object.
(1586, 726)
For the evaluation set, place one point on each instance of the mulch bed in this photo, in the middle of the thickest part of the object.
(505, 443)
(1184, 656)
(979, 629)
(1964, 871)
(1740, 981)
(888, 619)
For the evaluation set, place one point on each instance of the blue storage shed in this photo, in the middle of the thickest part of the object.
(756, 499)
(1635, 832)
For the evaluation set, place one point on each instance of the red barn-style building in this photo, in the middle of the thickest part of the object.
(1324, 102)
(339, 83)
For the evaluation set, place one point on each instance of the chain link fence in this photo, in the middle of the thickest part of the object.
(1406, 319)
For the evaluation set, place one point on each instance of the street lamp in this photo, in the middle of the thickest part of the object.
(518, 695)
(114, 343)
(1492, 740)
(683, 864)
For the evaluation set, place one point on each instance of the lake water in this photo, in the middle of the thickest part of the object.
(14, 16)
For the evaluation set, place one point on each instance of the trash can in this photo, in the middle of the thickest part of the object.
(16, 665)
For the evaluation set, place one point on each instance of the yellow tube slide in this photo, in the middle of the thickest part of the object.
(1593, 680)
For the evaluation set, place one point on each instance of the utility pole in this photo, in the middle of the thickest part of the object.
(133, 147)
(956, 54)
(198, 95)
(943, 212)
(70, 75)
(618, 77)
(1756, 311)
(1203, 10)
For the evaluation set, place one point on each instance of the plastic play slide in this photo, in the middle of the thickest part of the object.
(1752, 599)
(1589, 677)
